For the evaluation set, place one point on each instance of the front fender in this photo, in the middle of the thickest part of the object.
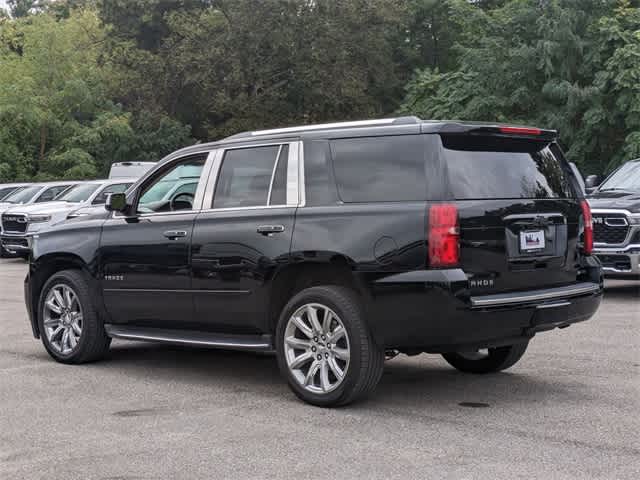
(73, 245)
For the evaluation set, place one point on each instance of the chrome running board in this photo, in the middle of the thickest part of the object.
(254, 343)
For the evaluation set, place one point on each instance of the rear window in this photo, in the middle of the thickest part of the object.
(495, 168)
(379, 169)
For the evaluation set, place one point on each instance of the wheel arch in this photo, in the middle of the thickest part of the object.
(328, 269)
(43, 269)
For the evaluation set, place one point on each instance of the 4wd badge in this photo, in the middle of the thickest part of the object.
(481, 283)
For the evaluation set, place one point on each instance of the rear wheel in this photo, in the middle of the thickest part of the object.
(69, 325)
(325, 349)
(486, 360)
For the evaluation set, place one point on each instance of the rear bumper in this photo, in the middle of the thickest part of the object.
(545, 296)
(413, 311)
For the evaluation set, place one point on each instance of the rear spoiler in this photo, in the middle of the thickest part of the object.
(507, 131)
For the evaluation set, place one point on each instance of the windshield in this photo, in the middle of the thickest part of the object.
(5, 192)
(24, 195)
(79, 193)
(626, 177)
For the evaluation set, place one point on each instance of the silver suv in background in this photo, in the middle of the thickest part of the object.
(21, 222)
(33, 194)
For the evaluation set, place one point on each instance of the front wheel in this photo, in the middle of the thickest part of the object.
(488, 360)
(325, 349)
(70, 328)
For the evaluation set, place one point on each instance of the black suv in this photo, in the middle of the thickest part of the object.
(333, 245)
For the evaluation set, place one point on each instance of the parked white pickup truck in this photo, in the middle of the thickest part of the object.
(21, 222)
(35, 194)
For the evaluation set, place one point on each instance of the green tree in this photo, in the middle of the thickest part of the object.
(563, 64)
(56, 117)
(236, 65)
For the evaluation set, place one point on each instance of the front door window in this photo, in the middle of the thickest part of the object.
(174, 189)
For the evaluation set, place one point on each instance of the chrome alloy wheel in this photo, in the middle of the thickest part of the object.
(62, 316)
(316, 348)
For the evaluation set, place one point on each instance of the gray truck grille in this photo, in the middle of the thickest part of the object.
(610, 228)
(14, 223)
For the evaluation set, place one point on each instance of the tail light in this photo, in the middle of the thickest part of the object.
(444, 236)
(520, 131)
(587, 245)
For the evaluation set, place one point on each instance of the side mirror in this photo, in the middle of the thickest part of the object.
(592, 181)
(116, 202)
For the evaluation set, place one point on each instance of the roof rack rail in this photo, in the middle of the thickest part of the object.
(327, 126)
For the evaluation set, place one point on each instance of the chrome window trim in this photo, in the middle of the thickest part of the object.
(293, 175)
(212, 180)
(302, 194)
(200, 191)
(273, 175)
(239, 209)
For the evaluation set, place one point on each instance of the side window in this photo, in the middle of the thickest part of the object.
(252, 177)
(186, 188)
(101, 198)
(160, 195)
(51, 193)
(380, 169)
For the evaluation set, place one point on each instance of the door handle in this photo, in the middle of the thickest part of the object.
(174, 234)
(268, 230)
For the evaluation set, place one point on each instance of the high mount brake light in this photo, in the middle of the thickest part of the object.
(444, 236)
(587, 246)
(520, 131)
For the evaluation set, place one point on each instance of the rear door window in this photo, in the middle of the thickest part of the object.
(379, 169)
(496, 168)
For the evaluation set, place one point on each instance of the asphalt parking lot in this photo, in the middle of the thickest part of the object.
(569, 409)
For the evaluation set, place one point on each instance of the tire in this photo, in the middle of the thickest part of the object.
(360, 360)
(92, 343)
(496, 360)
